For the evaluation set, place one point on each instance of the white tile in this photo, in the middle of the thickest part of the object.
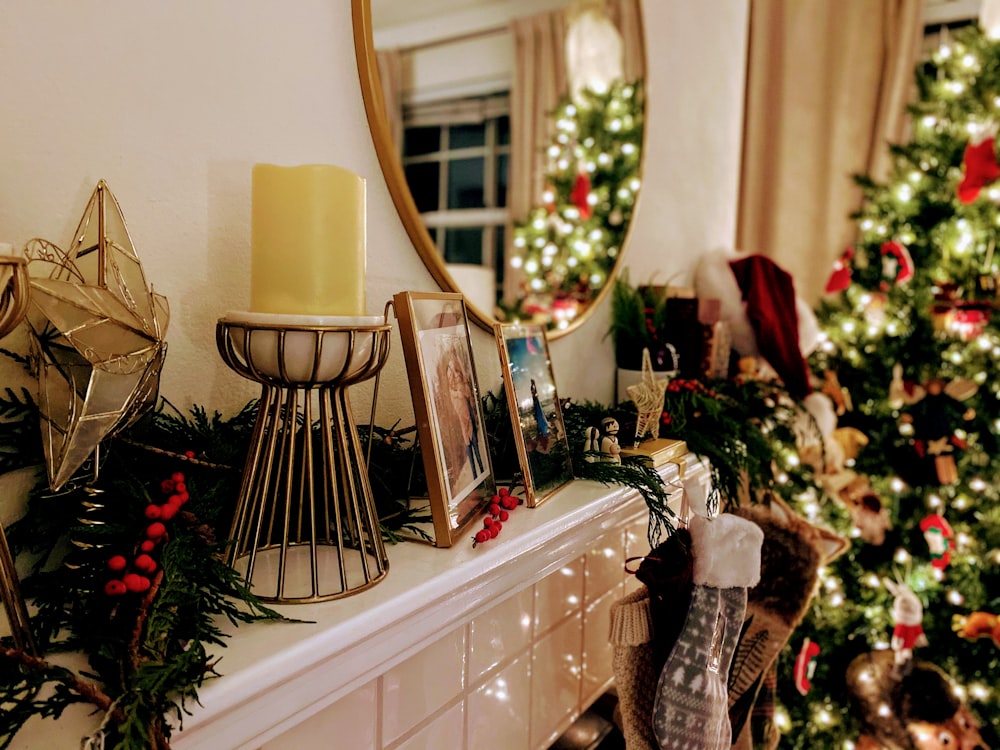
(555, 680)
(636, 540)
(558, 595)
(352, 720)
(597, 652)
(499, 711)
(499, 634)
(446, 731)
(422, 684)
(605, 567)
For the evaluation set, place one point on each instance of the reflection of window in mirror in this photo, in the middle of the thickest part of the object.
(455, 155)
(518, 126)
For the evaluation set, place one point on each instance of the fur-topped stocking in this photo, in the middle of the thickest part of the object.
(691, 706)
(644, 628)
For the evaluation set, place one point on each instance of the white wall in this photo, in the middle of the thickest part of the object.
(172, 104)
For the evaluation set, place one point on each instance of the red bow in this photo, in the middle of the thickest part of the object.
(981, 169)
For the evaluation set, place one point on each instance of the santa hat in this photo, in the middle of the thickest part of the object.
(765, 316)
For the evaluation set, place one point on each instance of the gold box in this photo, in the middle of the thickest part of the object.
(659, 450)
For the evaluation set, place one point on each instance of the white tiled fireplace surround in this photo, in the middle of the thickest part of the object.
(501, 646)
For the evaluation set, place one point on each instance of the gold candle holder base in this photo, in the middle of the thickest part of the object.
(305, 528)
(13, 306)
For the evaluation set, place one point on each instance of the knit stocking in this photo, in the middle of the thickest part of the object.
(644, 627)
(634, 668)
(691, 706)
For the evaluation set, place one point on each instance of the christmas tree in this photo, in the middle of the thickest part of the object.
(567, 245)
(909, 350)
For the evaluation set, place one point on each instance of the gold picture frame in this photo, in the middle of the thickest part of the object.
(437, 349)
(535, 411)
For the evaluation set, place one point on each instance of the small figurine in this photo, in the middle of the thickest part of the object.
(933, 418)
(908, 616)
(610, 450)
(977, 625)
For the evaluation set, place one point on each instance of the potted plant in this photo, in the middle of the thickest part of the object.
(639, 321)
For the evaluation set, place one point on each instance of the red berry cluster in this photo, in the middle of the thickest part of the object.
(497, 512)
(136, 578)
(695, 386)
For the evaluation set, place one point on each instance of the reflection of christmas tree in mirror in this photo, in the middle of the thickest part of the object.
(567, 246)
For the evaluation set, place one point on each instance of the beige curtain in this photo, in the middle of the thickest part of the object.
(390, 73)
(827, 83)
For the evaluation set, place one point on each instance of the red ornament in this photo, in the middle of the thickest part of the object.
(148, 545)
(840, 278)
(144, 564)
(897, 265)
(114, 588)
(580, 193)
(504, 515)
(940, 539)
(980, 167)
(189, 454)
(494, 509)
(152, 512)
(156, 530)
(805, 666)
(116, 563)
(168, 511)
(482, 536)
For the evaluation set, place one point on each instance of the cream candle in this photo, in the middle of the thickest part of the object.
(307, 241)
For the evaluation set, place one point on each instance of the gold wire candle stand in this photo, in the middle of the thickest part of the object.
(13, 306)
(305, 528)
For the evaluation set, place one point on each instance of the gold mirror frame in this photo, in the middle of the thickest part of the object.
(402, 198)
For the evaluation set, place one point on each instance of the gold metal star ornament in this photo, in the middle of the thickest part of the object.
(647, 395)
(98, 343)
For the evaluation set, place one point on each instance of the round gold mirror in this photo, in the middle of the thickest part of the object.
(509, 133)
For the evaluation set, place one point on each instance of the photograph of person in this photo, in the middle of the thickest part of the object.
(539, 414)
(456, 417)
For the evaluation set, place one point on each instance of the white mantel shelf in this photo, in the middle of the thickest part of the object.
(277, 675)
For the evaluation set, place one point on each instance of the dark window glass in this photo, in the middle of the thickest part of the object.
(418, 141)
(502, 161)
(464, 245)
(465, 183)
(424, 180)
(466, 136)
(503, 130)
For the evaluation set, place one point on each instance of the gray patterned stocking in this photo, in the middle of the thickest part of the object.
(691, 708)
(692, 702)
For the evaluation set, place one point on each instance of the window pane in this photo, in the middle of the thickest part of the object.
(424, 180)
(417, 141)
(465, 183)
(503, 130)
(464, 245)
(502, 161)
(466, 136)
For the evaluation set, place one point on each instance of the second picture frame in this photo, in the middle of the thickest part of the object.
(536, 413)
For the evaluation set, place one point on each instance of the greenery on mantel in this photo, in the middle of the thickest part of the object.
(149, 650)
